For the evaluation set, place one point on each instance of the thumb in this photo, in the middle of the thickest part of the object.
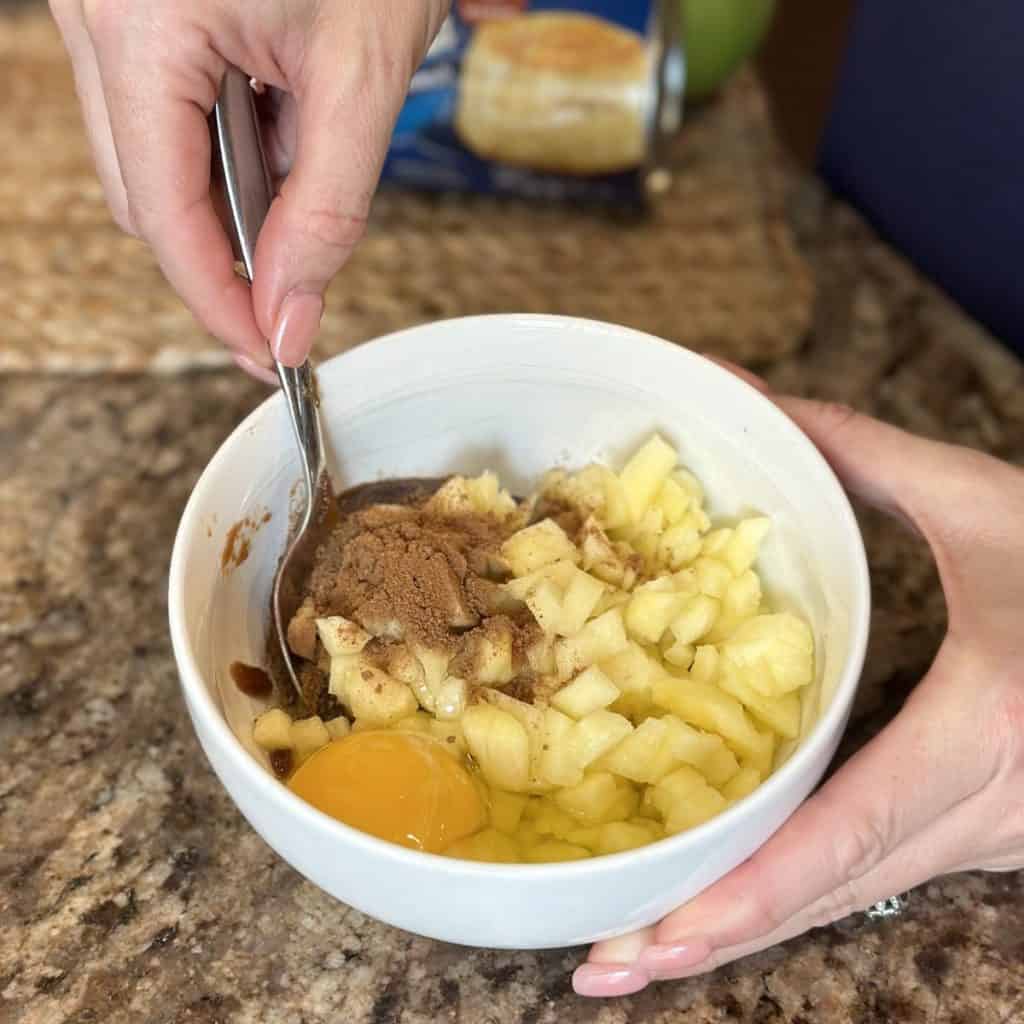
(354, 77)
(881, 464)
(965, 503)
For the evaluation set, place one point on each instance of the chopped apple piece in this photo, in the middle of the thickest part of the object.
(645, 472)
(599, 798)
(545, 603)
(706, 706)
(536, 546)
(307, 736)
(741, 601)
(451, 500)
(435, 670)
(691, 746)
(506, 810)
(579, 601)
(705, 663)
(531, 718)
(338, 728)
(488, 845)
(590, 691)
(696, 616)
(685, 799)
(763, 757)
(701, 806)
(713, 576)
(781, 645)
(403, 665)
(652, 607)
(541, 657)
(596, 734)
(742, 784)
(644, 755)
(720, 765)
(674, 500)
(553, 851)
(340, 635)
(373, 695)
(716, 541)
(678, 546)
(301, 631)
(499, 745)
(599, 556)
(450, 700)
(690, 484)
(678, 654)
(781, 714)
(492, 657)
(418, 721)
(619, 836)
(599, 639)
(741, 551)
(450, 734)
(632, 670)
(551, 820)
(272, 730)
(558, 764)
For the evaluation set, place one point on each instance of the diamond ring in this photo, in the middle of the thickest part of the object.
(892, 906)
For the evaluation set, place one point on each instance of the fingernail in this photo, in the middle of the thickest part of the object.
(666, 961)
(608, 980)
(297, 324)
(254, 369)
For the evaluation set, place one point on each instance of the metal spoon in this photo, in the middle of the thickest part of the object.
(240, 169)
(240, 166)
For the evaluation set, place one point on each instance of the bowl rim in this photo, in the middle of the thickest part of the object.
(285, 803)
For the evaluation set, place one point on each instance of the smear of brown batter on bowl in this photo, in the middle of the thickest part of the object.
(238, 541)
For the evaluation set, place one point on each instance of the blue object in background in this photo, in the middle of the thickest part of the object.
(925, 136)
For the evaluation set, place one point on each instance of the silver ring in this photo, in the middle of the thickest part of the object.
(892, 906)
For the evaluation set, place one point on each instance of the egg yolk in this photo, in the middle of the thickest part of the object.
(403, 787)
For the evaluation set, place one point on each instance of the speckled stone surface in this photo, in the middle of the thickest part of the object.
(130, 888)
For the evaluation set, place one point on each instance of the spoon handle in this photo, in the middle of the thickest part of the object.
(240, 166)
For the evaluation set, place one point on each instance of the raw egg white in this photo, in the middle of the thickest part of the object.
(400, 786)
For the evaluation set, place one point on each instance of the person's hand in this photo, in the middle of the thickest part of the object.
(941, 789)
(148, 73)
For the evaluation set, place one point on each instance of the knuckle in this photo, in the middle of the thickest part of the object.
(856, 849)
(334, 228)
(837, 415)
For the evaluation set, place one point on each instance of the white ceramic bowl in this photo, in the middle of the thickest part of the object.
(517, 394)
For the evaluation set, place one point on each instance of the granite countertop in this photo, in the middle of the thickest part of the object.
(130, 887)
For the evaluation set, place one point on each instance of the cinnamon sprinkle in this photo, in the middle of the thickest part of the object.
(412, 577)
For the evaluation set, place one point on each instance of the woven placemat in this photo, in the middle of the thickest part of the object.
(713, 267)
